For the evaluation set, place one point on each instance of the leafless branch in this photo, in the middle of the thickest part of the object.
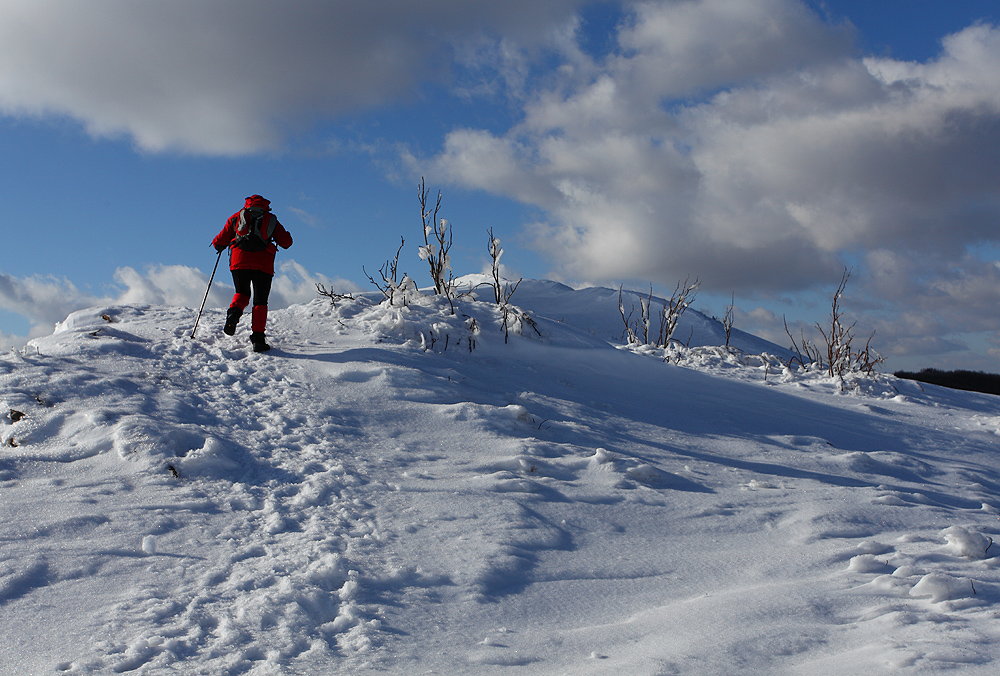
(390, 285)
(629, 332)
(502, 292)
(331, 294)
(727, 320)
(682, 297)
(841, 357)
(437, 244)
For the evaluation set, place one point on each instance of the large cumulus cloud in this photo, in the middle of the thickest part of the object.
(233, 76)
(728, 134)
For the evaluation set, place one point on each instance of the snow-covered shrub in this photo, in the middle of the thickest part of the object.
(437, 244)
(514, 319)
(733, 362)
(502, 290)
(639, 331)
(837, 354)
(841, 356)
(428, 321)
(395, 291)
(402, 297)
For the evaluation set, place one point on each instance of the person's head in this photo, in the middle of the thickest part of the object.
(258, 202)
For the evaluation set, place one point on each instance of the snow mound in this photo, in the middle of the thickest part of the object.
(939, 587)
(963, 542)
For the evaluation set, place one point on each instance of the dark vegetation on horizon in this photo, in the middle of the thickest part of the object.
(971, 381)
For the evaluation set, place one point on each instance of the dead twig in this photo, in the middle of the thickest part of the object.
(331, 294)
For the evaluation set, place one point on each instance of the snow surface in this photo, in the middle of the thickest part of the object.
(402, 490)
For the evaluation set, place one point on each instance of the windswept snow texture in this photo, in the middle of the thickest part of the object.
(595, 310)
(406, 491)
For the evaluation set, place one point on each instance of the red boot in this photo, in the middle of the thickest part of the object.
(258, 322)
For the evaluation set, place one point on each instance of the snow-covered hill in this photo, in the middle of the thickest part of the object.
(595, 311)
(401, 490)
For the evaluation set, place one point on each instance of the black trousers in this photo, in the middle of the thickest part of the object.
(260, 282)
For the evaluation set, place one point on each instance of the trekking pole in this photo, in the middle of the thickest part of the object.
(206, 294)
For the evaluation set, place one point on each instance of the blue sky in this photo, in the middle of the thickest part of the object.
(761, 145)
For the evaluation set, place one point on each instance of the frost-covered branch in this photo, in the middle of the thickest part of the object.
(681, 299)
(502, 291)
(639, 331)
(495, 253)
(629, 332)
(437, 243)
(514, 319)
(390, 286)
(807, 353)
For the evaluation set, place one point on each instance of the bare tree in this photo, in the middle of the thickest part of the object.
(839, 357)
(682, 297)
(727, 320)
(390, 285)
(639, 331)
(501, 292)
(437, 244)
(839, 337)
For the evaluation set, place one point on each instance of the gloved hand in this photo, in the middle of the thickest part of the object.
(220, 248)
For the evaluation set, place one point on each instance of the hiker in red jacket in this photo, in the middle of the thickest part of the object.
(251, 234)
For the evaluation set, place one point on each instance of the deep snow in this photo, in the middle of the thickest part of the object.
(401, 490)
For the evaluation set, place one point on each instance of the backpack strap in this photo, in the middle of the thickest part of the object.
(268, 224)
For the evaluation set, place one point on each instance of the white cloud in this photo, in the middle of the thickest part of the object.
(294, 284)
(746, 142)
(44, 301)
(312, 220)
(676, 48)
(928, 300)
(233, 76)
(9, 341)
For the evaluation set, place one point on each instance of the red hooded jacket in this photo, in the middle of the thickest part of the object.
(262, 260)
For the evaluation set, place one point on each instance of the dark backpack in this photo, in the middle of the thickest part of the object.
(254, 229)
